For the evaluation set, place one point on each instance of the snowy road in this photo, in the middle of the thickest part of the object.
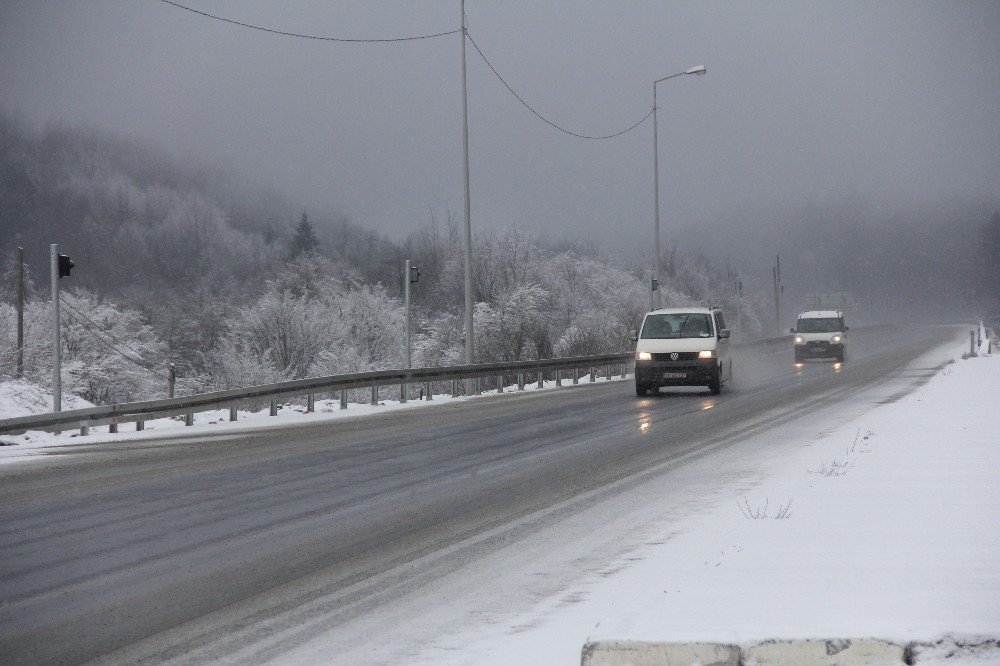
(375, 534)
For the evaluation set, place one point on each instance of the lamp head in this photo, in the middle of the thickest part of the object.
(699, 70)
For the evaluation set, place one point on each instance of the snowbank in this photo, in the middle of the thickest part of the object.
(883, 527)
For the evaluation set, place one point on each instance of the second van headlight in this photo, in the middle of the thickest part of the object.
(706, 353)
(836, 338)
(643, 356)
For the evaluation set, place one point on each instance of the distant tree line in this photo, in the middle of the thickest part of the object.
(239, 286)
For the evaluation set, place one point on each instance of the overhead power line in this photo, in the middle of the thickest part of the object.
(303, 36)
(529, 108)
(482, 55)
(110, 345)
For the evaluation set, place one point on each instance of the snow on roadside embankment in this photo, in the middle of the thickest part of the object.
(885, 526)
(19, 398)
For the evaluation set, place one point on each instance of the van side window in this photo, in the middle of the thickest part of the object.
(720, 323)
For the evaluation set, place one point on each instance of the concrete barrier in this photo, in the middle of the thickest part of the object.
(835, 652)
(637, 653)
(823, 653)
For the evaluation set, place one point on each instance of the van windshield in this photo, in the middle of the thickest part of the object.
(819, 325)
(683, 325)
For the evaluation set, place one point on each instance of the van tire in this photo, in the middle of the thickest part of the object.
(715, 381)
(641, 389)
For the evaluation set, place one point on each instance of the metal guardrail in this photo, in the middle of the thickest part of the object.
(139, 412)
(187, 406)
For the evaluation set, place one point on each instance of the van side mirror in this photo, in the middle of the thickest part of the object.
(634, 336)
(724, 333)
(792, 331)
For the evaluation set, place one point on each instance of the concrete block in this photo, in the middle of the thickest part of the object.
(638, 653)
(836, 652)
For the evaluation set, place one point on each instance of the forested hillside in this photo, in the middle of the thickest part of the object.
(237, 285)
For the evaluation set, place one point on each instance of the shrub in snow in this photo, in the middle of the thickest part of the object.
(109, 354)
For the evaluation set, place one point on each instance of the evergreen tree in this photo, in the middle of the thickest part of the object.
(304, 241)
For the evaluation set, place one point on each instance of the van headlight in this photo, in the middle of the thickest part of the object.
(836, 338)
(643, 356)
(799, 340)
(706, 353)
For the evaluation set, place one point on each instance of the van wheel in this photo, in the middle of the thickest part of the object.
(641, 389)
(715, 381)
(840, 357)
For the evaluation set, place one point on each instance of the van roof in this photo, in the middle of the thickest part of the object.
(690, 310)
(821, 314)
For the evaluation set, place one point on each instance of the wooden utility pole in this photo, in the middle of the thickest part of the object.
(20, 312)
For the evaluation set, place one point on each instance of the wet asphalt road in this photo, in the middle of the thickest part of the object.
(105, 545)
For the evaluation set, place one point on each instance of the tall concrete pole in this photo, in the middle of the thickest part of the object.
(656, 207)
(470, 352)
(56, 344)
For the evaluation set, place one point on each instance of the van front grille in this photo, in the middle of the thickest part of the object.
(681, 356)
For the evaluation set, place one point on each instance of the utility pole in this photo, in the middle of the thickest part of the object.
(774, 289)
(56, 345)
(20, 313)
(739, 307)
(470, 352)
(780, 288)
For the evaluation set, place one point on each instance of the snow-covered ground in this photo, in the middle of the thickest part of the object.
(887, 526)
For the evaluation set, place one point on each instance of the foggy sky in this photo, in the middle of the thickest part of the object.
(890, 103)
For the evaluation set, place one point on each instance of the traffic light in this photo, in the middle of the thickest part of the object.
(65, 265)
(414, 275)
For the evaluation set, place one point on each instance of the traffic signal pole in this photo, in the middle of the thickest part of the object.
(56, 346)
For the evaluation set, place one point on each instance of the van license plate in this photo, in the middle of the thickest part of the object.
(674, 375)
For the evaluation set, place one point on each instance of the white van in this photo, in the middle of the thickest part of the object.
(820, 334)
(682, 347)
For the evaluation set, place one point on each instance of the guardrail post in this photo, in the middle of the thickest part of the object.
(558, 377)
(311, 402)
(607, 373)
(972, 343)
(520, 381)
(541, 379)
(113, 428)
(274, 407)
(454, 388)
(477, 386)
(375, 394)
(232, 413)
(429, 391)
(140, 425)
(499, 384)
(402, 392)
(84, 430)
(591, 372)
(624, 369)
(576, 375)
(189, 419)
(343, 398)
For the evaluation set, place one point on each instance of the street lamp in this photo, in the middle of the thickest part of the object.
(697, 70)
